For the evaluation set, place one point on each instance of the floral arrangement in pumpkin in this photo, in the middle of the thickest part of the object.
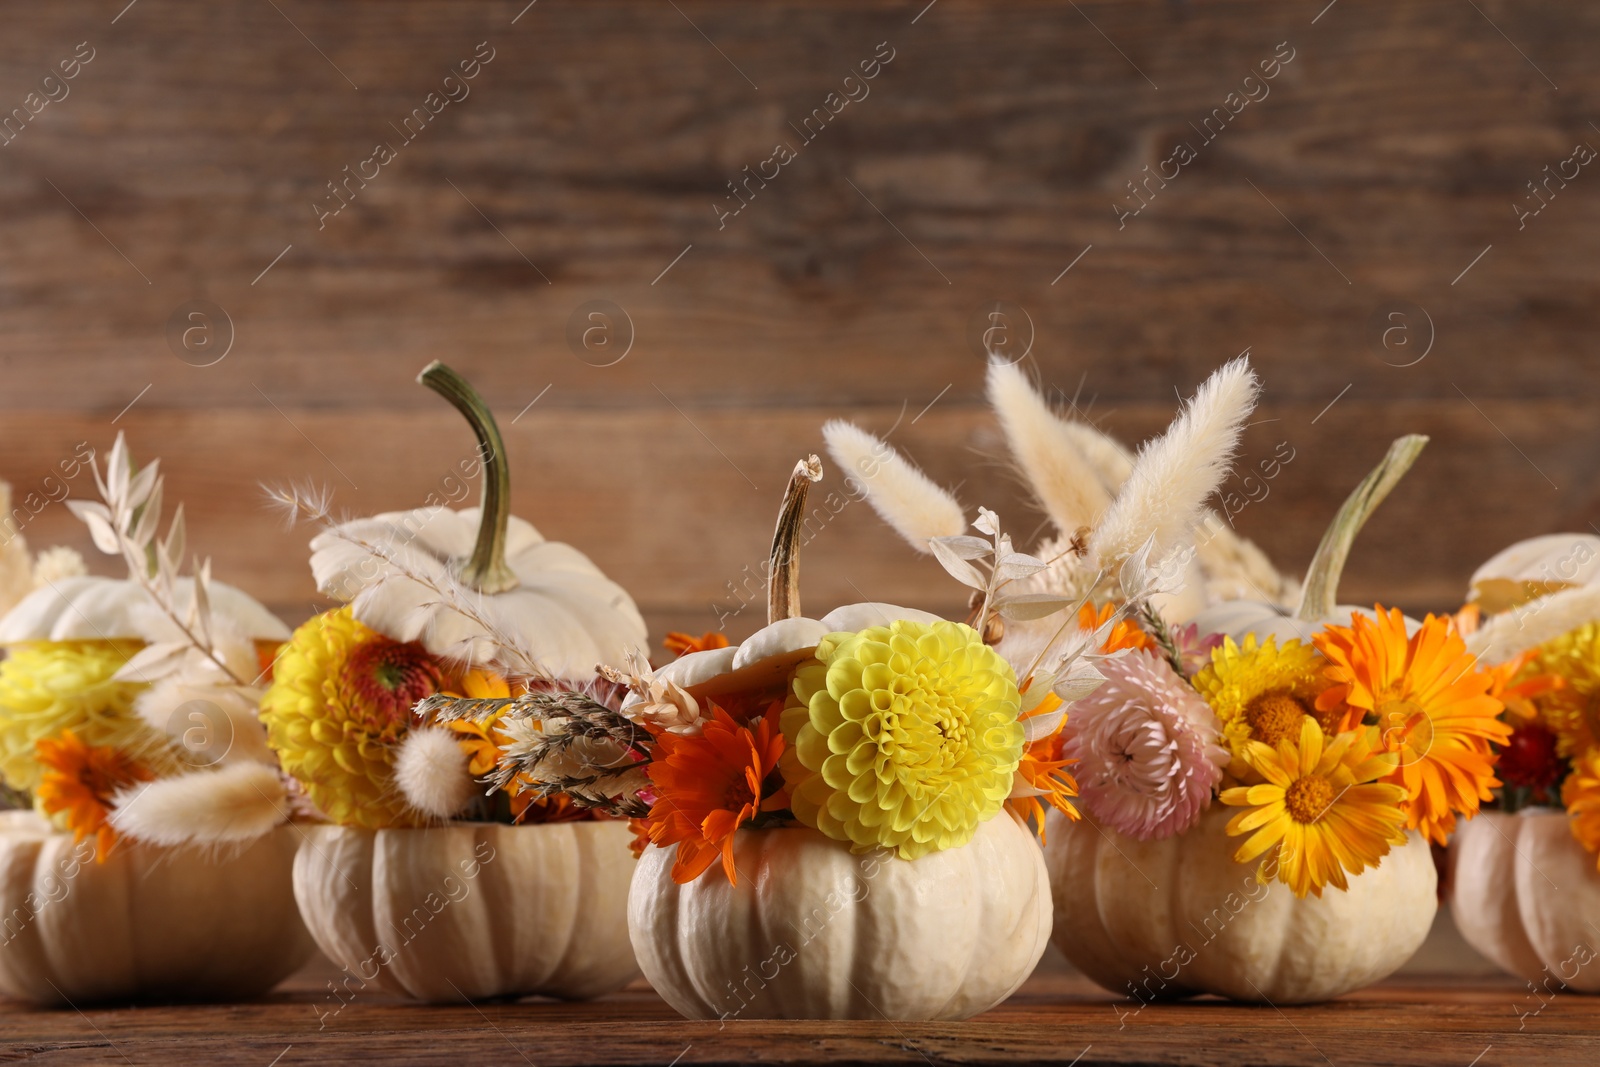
(882, 728)
(128, 707)
(1534, 612)
(1332, 744)
(472, 604)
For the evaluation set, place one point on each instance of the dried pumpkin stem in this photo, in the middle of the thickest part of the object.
(783, 578)
(485, 570)
(1319, 595)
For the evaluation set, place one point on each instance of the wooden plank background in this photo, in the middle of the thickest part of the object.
(588, 163)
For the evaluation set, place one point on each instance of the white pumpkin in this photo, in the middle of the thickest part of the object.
(148, 922)
(1318, 606)
(814, 932)
(94, 608)
(1534, 568)
(944, 936)
(1526, 894)
(472, 911)
(548, 594)
(1178, 917)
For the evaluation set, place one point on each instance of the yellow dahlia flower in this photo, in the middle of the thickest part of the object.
(48, 687)
(339, 705)
(1260, 692)
(902, 737)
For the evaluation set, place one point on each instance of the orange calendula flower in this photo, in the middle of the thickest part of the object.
(1580, 795)
(681, 644)
(708, 785)
(1125, 634)
(1431, 705)
(481, 740)
(1518, 686)
(1042, 771)
(79, 782)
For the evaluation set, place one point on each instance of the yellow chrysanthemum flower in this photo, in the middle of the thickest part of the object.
(340, 703)
(1260, 692)
(1320, 811)
(902, 737)
(1569, 709)
(49, 687)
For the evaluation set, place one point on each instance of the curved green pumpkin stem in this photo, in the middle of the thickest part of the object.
(1319, 594)
(485, 570)
(783, 577)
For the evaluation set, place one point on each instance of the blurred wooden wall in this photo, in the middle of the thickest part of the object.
(589, 161)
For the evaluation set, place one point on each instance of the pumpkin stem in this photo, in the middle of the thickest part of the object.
(485, 570)
(1319, 594)
(783, 577)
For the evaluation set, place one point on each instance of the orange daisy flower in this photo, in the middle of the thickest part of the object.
(681, 644)
(80, 781)
(1043, 768)
(1519, 688)
(708, 785)
(1125, 634)
(1431, 704)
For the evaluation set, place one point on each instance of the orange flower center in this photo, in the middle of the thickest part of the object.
(1405, 728)
(387, 679)
(1274, 716)
(1308, 798)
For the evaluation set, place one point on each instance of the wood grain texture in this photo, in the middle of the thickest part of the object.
(1055, 1018)
(990, 152)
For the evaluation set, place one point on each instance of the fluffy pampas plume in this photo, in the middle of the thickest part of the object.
(1175, 474)
(431, 771)
(1066, 482)
(906, 498)
(230, 806)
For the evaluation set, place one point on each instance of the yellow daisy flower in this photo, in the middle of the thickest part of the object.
(1320, 811)
(339, 704)
(1261, 692)
(902, 737)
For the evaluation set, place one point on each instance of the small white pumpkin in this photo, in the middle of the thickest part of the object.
(1178, 917)
(847, 936)
(814, 932)
(1526, 894)
(1534, 568)
(1318, 595)
(472, 911)
(547, 593)
(95, 608)
(148, 922)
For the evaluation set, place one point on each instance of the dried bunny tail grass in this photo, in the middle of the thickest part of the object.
(231, 806)
(902, 495)
(1065, 481)
(1534, 623)
(431, 771)
(1176, 473)
(1111, 459)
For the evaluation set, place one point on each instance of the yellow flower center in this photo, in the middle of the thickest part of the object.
(1274, 716)
(1308, 798)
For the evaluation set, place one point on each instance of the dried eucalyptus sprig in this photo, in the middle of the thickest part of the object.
(126, 524)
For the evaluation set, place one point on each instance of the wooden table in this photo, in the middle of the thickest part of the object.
(1057, 1017)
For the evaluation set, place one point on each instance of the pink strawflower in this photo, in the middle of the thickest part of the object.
(1145, 746)
(1194, 650)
